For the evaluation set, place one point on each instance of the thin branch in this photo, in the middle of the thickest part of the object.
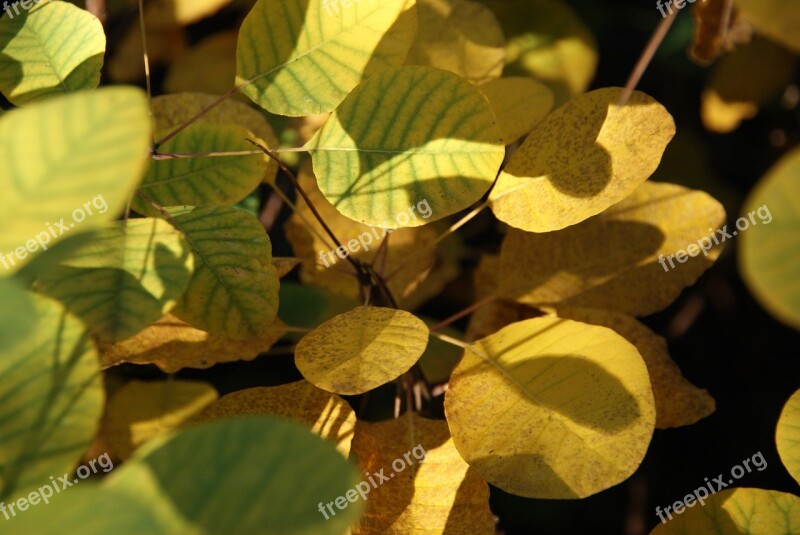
(467, 311)
(176, 155)
(647, 55)
(293, 207)
(145, 55)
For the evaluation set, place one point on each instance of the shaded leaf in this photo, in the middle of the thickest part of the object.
(519, 103)
(787, 436)
(776, 19)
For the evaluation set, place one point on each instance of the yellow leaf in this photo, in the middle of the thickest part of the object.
(787, 436)
(776, 19)
(285, 265)
(551, 408)
(618, 260)
(460, 36)
(436, 492)
(736, 512)
(141, 410)
(743, 81)
(180, 12)
(584, 157)
(207, 67)
(678, 402)
(303, 57)
(172, 345)
(326, 414)
(361, 349)
(519, 103)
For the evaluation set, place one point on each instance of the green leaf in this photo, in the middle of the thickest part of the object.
(17, 315)
(302, 57)
(361, 349)
(242, 475)
(69, 163)
(234, 288)
(405, 136)
(52, 48)
(51, 400)
(129, 276)
(769, 258)
(551, 408)
(787, 436)
(202, 181)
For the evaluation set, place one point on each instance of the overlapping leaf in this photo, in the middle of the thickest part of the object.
(551, 408)
(302, 57)
(51, 48)
(404, 136)
(361, 349)
(519, 103)
(584, 157)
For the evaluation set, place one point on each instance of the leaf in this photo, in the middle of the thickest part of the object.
(618, 260)
(165, 44)
(202, 181)
(743, 81)
(415, 247)
(769, 258)
(53, 48)
(716, 30)
(234, 288)
(776, 19)
(52, 399)
(241, 475)
(434, 492)
(361, 349)
(404, 136)
(89, 147)
(131, 274)
(171, 111)
(173, 345)
(546, 40)
(180, 12)
(18, 314)
(678, 402)
(584, 157)
(460, 36)
(440, 358)
(303, 57)
(141, 410)
(208, 67)
(325, 414)
(571, 410)
(787, 436)
(737, 511)
(307, 306)
(519, 103)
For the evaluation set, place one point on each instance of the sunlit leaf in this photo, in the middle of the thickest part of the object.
(769, 257)
(51, 48)
(735, 512)
(627, 259)
(519, 103)
(551, 408)
(326, 414)
(302, 57)
(460, 36)
(361, 349)
(584, 157)
(434, 491)
(69, 162)
(404, 136)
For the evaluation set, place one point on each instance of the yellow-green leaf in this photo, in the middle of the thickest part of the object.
(301, 57)
(736, 512)
(433, 491)
(551, 408)
(787, 436)
(64, 158)
(519, 103)
(584, 157)
(777, 19)
(53, 398)
(51, 48)
(326, 414)
(460, 36)
(361, 349)
(141, 410)
(172, 344)
(769, 257)
(234, 288)
(128, 276)
(404, 136)
(627, 259)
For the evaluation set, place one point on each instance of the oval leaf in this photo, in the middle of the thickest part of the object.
(361, 349)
